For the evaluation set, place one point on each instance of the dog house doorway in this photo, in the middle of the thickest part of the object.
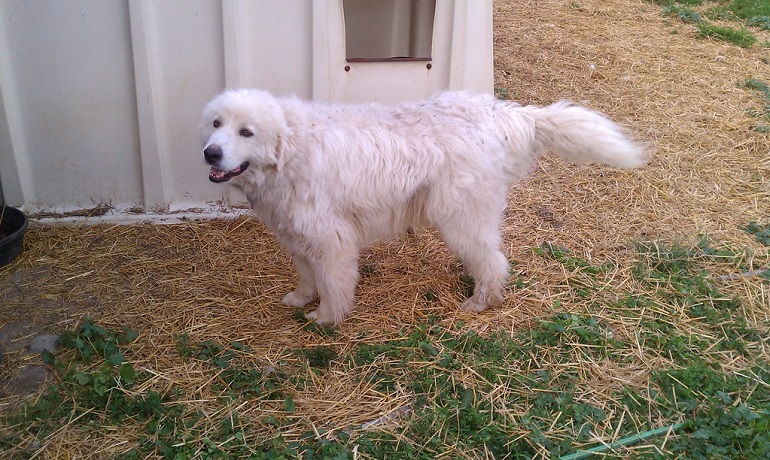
(388, 30)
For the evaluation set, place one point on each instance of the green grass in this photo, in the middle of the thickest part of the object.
(533, 392)
(502, 93)
(740, 37)
(749, 10)
(749, 14)
(761, 89)
(684, 14)
(761, 232)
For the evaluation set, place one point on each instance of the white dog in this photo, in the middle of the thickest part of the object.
(330, 179)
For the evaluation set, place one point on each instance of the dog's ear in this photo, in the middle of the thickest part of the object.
(282, 149)
(279, 160)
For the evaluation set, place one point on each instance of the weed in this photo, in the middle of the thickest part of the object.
(682, 282)
(86, 392)
(367, 269)
(727, 415)
(233, 381)
(750, 9)
(686, 15)
(318, 357)
(501, 394)
(465, 286)
(214, 353)
(574, 4)
(760, 22)
(757, 85)
(565, 257)
(585, 334)
(94, 341)
(430, 295)
(761, 232)
(752, 13)
(448, 408)
(673, 2)
(763, 91)
(740, 37)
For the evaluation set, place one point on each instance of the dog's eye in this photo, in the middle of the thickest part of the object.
(246, 133)
(217, 123)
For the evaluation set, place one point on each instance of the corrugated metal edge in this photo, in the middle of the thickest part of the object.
(108, 215)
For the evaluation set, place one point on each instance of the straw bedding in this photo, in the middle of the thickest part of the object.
(223, 280)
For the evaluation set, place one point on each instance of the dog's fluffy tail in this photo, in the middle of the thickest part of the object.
(582, 135)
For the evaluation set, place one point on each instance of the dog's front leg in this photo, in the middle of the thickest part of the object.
(336, 275)
(305, 291)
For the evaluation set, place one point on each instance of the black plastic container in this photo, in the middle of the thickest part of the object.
(12, 227)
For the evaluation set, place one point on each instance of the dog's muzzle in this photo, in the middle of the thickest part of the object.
(213, 155)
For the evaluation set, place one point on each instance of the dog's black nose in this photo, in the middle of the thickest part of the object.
(212, 154)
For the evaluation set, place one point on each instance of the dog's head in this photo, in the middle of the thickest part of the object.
(242, 130)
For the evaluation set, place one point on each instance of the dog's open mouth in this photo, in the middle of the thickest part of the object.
(217, 175)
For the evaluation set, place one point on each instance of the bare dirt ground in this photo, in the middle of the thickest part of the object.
(223, 280)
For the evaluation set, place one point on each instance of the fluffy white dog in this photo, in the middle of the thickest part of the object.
(330, 179)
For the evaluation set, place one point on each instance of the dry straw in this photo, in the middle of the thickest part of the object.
(222, 280)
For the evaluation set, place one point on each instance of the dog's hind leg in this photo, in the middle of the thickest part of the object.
(336, 275)
(490, 273)
(305, 291)
(473, 234)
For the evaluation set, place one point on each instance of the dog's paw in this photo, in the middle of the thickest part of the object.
(321, 319)
(473, 304)
(296, 299)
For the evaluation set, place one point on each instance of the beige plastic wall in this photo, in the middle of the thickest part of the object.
(100, 100)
